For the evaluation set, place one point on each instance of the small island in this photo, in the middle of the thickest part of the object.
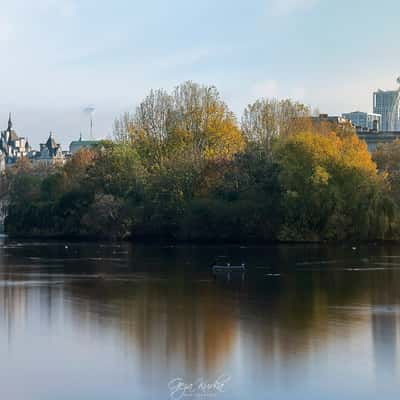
(183, 168)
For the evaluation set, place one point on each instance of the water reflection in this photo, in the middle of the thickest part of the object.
(384, 317)
(122, 321)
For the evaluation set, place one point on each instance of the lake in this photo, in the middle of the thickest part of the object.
(108, 321)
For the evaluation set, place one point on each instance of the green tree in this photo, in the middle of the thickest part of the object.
(116, 170)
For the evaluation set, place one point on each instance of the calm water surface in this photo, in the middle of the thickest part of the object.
(92, 321)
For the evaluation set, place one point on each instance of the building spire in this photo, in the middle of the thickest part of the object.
(9, 122)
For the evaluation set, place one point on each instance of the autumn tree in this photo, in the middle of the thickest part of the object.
(387, 157)
(124, 128)
(343, 130)
(192, 122)
(331, 188)
(205, 123)
(265, 120)
(75, 170)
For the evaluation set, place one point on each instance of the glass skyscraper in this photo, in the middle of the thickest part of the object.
(386, 103)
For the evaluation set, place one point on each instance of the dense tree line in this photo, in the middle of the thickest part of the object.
(182, 167)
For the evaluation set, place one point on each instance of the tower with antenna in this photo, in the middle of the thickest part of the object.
(89, 111)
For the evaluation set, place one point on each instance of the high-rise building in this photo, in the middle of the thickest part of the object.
(364, 120)
(387, 104)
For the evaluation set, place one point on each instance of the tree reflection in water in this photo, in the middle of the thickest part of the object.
(305, 312)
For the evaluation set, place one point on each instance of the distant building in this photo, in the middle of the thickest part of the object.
(50, 153)
(77, 145)
(364, 121)
(332, 119)
(374, 139)
(12, 147)
(386, 103)
(333, 123)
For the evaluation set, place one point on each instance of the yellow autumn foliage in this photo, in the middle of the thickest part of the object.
(320, 155)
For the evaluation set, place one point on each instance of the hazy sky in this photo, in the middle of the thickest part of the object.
(57, 56)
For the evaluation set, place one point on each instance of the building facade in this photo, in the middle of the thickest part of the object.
(50, 153)
(364, 121)
(386, 103)
(12, 147)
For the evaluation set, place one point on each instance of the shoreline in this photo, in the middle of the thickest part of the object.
(175, 242)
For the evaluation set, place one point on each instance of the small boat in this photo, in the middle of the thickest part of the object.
(224, 266)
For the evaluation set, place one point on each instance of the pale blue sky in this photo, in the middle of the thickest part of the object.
(58, 56)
